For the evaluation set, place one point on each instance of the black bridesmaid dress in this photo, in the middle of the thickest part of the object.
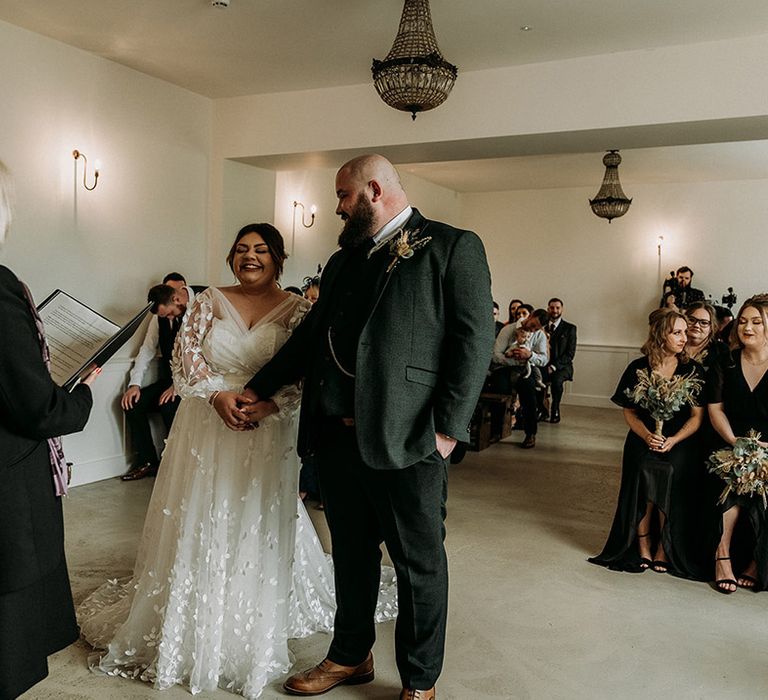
(746, 410)
(664, 479)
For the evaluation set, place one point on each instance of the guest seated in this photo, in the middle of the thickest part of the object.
(169, 303)
(536, 353)
(522, 312)
(512, 309)
(562, 350)
(498, 324)
(650, 528)
(738, 403)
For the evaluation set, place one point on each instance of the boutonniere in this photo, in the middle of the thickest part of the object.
(403, 245)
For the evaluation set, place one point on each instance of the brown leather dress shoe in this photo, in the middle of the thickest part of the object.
(326, 675)
(140, 472)
(529, 442)
(411, 694)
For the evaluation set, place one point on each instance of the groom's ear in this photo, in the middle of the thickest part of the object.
(376, 190)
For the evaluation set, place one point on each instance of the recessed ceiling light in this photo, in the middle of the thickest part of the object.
(526, 28)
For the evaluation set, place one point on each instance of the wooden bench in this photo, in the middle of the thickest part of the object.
(492, 420)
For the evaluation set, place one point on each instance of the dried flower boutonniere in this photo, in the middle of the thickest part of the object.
(403, 245)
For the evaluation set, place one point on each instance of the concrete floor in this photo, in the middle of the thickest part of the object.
(529, 617)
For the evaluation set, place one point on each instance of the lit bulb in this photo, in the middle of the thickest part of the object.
(97, 165)
(312, 209)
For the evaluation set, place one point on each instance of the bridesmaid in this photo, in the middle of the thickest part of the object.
(650, 525)
(738, 403)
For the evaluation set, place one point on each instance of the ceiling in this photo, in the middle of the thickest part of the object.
(262, 46)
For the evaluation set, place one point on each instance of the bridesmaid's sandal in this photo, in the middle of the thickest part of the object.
(660, 566)
(645, 562)
(720, 583)
(747, 581)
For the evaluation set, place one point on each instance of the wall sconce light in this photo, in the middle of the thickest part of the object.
(77, 154)
(312, 211)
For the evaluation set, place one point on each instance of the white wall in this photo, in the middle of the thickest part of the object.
(148, 214)
(548, 243)
(248, 197)
(317, 187)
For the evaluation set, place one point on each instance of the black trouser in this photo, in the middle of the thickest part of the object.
(405, 508)
(556, 380)
(526, 392)
(137, 419)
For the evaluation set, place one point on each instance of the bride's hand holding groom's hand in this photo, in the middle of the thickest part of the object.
(229, 405)
(254, 409)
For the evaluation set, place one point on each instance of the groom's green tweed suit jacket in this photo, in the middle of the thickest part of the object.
(422, 356)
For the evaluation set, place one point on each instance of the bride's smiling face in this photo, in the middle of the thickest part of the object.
(252, 262)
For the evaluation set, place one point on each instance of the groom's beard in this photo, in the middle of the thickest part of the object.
(358, 226)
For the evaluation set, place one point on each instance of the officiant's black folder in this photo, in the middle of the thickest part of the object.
(109, 348)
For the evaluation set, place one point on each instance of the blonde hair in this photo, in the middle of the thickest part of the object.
(660, 325)
(759, 302)
(6, 197)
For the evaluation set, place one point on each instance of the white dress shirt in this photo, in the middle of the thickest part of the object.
(150, 347)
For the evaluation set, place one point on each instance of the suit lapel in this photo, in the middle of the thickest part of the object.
(415, 223)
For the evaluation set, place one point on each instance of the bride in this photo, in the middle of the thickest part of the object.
(229, 566)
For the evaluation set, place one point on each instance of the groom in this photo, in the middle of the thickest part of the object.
(394, 355)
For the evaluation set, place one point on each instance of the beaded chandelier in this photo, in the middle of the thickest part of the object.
(414, 77)
(610, 202)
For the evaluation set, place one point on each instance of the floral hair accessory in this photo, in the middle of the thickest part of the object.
(403, 245)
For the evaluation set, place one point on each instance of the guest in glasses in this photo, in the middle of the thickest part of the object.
(703, 344)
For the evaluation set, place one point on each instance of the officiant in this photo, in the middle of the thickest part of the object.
(394, 355)
(37, 617)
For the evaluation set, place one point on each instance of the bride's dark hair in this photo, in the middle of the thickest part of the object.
(271, 237)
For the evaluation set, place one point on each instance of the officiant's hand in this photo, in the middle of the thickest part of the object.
(91, 378)
(445, 444)
(228, 406)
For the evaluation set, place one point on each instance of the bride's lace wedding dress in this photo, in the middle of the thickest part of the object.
(229, 566)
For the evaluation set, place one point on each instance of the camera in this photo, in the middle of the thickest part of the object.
(729, 299)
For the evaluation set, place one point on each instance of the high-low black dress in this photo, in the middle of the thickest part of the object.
(664, 479)
(746, 410)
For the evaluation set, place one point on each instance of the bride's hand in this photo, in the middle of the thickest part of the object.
(228, 407)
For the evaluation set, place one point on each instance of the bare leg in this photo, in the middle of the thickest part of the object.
(660, 563)
(723, 568)
(644, 538)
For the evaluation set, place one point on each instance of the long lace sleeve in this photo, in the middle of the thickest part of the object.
(191, 374)
(288, 398)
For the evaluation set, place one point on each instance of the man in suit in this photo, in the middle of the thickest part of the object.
(169, 304)
(394, 355)
(562, 349)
